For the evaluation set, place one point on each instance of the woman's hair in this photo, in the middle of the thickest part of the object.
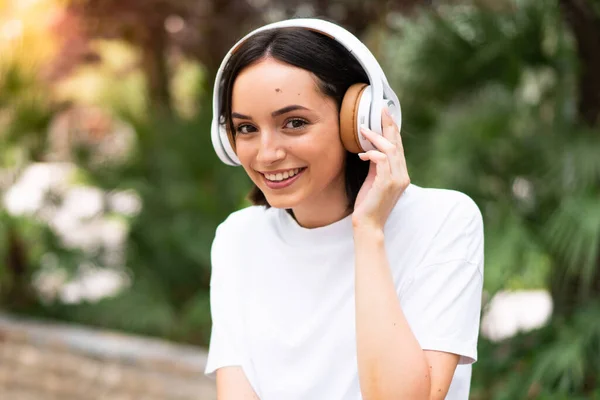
(333, 66)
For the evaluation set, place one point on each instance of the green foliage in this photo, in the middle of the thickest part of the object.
(185, 194)
(25, 112)
(490, 105)
(24, 242)
(559, 361)
(573, 232)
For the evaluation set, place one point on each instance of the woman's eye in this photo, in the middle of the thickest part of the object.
(244, 129)
(295, 123)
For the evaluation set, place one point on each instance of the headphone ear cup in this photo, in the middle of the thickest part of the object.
(349, 117)
(226, 145)
(230, 138)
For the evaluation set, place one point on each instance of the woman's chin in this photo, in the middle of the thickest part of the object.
(282, 201)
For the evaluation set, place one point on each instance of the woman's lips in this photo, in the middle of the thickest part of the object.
(284, 183)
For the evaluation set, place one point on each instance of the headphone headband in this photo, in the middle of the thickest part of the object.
(380, 88)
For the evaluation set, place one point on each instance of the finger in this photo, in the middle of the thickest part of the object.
(389, 129)
(381, 143)
(397, 161)
(381, 161)
(388, 148)
(373, 155)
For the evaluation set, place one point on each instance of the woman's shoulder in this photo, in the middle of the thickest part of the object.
(243, 221)
(431, 208)
(445, 224)
(437, 202)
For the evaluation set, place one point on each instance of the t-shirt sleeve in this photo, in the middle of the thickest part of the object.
(225, 347)
(442, 301)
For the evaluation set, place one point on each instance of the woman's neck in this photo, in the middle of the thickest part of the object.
(319, 214)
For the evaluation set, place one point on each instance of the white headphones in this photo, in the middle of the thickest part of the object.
(362, 103)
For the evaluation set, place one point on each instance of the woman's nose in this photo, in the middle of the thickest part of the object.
(270, 148)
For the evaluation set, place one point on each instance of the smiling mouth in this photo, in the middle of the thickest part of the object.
(280, 177)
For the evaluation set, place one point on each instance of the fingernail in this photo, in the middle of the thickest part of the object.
(386, 110)
(363, 127)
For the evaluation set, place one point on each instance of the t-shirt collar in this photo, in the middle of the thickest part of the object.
(295, 234)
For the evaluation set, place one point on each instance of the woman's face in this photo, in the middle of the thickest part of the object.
(287, 136)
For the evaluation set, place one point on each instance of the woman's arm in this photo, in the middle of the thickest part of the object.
(391, 363)
(232, 384)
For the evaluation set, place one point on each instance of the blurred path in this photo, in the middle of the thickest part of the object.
(43, 361)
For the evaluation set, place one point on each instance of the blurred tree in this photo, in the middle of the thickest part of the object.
(583, 18)
(201, 30)
(155, 27)
(24, 115)
(17, 274)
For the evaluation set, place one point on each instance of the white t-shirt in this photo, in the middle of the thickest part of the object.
(282, 296)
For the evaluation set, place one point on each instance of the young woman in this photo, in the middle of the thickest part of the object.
(344, 280)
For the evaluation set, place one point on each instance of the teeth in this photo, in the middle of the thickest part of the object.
(281, 176)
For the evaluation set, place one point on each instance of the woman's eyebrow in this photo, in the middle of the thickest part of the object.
(287, 109)
(240, 116)
(283, 110)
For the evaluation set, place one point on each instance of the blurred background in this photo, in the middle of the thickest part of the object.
(110, 191)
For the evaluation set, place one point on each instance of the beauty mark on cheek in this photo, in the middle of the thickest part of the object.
(278, 90)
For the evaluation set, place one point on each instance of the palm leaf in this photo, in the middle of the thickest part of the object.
(573, 234)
